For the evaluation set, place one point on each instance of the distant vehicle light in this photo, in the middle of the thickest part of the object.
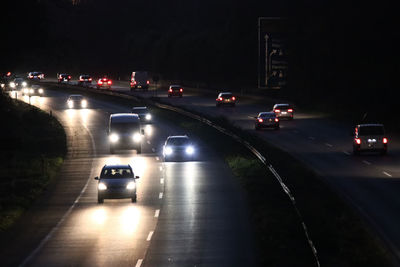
(137, 137)
(358, 141)
(148, 117)
(70, 103)
(190, 150)
(170, 90)
(276, 120)
(385, 140)
(102, 186)
(109, 82)
(84, 103)
(12, 84)
(90, 79)
(290, 110)
(24, 84)
(40, 91)
(168, 150)
(181, 90)
(148, 82)
(233, 98)
(9, 74)
(131, 185)
(219, 99)
(100, 82)
(260, 120)
(3, 85)
(26, 91)
(69, 77)
(114, 138)
(31, 91)
(277, 110)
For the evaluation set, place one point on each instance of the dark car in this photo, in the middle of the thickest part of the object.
(225, 98)
(63, 77)
(85, 80)
(266, 120)
(283, 111)
(116, 182)
(143, 113)
(104, 83)
(370, 138)
(35, 75)
(175, 90)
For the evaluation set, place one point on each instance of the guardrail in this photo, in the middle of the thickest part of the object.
(252, 149)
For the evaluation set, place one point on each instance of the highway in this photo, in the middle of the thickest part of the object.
(368, 182)
(187, 213)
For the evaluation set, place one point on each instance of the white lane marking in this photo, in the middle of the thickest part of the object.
(148, 142)
(367, 162)
(387, 174)
(150, 235)
(157, 213)
(160, 196)
(139, 263)
(160, 168)
(153, 149)
(161, 180)
(68, 212)
(345, 152)
(157, 158)
(328, 145)
(311, 138)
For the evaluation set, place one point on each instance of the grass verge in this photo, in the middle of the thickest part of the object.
(32, 148)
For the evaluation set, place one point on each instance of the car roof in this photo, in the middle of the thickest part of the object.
(282, 105)
(175, 85)
(221, 93)
(266, 113)
(370, 125)
(178, 136)
(75, 95)
(124, 117)
(117, 166)
(139, 108)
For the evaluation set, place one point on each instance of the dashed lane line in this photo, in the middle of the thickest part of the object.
(387, 174)
(139, 263)
(157, 213)
(150, 235)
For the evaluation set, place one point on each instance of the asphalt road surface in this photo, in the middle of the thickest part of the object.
(187, 213)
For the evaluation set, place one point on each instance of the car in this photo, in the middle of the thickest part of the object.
(124, 132)
(370, 138)
(139, 80)
(143, 113)
(225, 98)
(77, 101)
(104, 83)
(18, 84)
(116, 182)
(283, 111)
(63, 77)
(36, 75)
(178, 147)
(85, 80)
(34, 90)
(175, 90)
(266, 120)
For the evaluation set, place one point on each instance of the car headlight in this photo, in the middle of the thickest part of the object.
(168, 150)
(131, 185)
(24, 84)
(102, 186)
(70, 104)
(84, 103)
(12, 84)
(137, 137)
(26, 91)
(40, 91)
(148, 117)
(190, 150)
(31, 91)
(114, 138)
(3, 85)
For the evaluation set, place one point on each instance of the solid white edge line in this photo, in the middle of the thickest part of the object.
(157, 158)
(347, 153)
(66, 214)
(387, 174)
(160, 196)
(150, 235)
(139, 263)
(161, 180)
(328, 145)
(157, 213)
(367, 162)
(160, 168)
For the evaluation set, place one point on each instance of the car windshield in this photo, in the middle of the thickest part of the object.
(283, 107)
(226, 95)
(181, 141)
(266, 115)
(76, 97)
(175, 87)
(371, 130)
(85, 76)
(116, 173)
(125, 127)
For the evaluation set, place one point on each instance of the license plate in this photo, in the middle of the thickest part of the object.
(139, 86)
(227, 100)
(284, 112)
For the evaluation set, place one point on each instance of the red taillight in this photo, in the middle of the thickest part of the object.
(8, 74)
(109, 82)
(90, 79)
(290, 110)
(358, 141)
(81, 79)
(148, 82)
(170, 90)
(276, 119)
(277, 110)
(233, 98)
(384, 140)
(100, 82)
(181, 90)
(260, 120)
(219, 99)
(69, 77)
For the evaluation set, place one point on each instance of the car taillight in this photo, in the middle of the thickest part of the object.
(134, 82)
(181, 90)
(233, 98)
(170, 90)
(260, 120)
(148, 82)
(109, 82)
(100, 82)
(90, 79)
(81, 80)
(358, 141)
(277, 110)
(276, 119)
(69, 77)
(290, 110)
(219, 99)
(384, 140)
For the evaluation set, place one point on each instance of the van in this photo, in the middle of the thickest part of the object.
(124, 132)
(140, 80)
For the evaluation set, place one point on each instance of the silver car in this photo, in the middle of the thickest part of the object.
(283, 111)
(370, 137)
(77, 101)
(178, 147)
(116, 182)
